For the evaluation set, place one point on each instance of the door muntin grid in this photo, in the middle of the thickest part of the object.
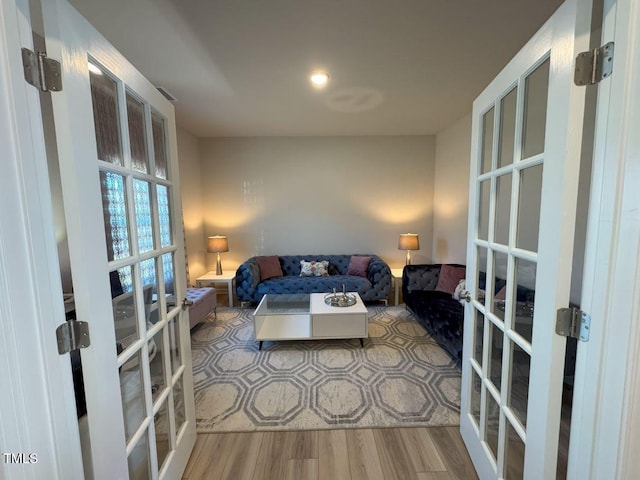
(140, 239)
(505, 260)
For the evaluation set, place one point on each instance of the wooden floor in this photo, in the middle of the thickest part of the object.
(435, 453)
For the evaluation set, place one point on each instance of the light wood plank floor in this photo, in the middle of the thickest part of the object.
(435, 453)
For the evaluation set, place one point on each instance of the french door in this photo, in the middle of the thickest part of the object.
(117, 151)
(525, 161)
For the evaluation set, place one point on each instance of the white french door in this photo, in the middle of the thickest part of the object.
(525, 161)
(117, 151)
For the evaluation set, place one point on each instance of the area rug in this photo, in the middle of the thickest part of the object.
(400, 378)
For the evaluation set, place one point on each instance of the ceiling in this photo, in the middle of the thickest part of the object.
(240, 67)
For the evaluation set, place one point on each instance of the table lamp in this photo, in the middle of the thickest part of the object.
(217, 244)
(408, 242)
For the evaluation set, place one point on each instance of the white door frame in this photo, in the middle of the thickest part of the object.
(606, 408)
(37, 410)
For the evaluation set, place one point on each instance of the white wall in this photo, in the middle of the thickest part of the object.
(451, 192)
(297, 195)
(192, 202)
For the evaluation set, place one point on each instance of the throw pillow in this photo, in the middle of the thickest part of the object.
(461, 287)
(314, 269)
(449, 278)
(358, 265)
(269, 267)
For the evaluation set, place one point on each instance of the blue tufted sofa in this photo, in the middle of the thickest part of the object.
(438, 312)
(375, 287)
(443, 316)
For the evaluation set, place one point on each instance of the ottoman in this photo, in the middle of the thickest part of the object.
(204, 302)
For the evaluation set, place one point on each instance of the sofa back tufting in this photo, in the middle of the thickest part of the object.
(338, 264)
(377, 285)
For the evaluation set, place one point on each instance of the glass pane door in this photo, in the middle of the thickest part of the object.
(506, 244)
(524, 177)
(116, 143)
(136, 190)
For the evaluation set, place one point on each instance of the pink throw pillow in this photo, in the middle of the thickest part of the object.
(502, 293)
(449, 278)
(269, 267)
(358, 265)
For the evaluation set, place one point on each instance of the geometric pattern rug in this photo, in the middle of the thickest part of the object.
(400, 378)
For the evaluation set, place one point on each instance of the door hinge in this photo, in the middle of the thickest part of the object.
(72, 335)
(594, 65)
(573, 322)
(42, 72)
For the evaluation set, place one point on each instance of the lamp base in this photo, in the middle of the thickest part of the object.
(408, 257)
(219, 266)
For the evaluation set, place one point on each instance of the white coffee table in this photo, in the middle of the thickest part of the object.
(308, 317)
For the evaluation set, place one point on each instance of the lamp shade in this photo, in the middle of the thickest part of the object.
(409, 241)
(217, 244)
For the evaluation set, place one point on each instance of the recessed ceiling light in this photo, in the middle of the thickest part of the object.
(319, 79)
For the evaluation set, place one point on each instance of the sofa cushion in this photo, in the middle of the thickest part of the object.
(269, 267)
(314, 268)
(449, 278)
(358, 265)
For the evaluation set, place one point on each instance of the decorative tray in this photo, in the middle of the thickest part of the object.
(340, 299)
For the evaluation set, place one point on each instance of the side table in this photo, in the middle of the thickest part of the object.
(396, 273)
(226, 277)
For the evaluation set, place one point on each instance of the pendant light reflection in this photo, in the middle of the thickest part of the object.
(94, 69)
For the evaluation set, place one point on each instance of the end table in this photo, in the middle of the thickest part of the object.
(396, 273)
(226, 277)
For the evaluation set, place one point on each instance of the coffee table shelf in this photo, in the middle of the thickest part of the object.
(302, 316)
(282, 317)
(282, 327)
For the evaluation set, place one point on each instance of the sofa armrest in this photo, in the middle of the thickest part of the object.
(247, 278)
(419, 277)
(379, 274)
